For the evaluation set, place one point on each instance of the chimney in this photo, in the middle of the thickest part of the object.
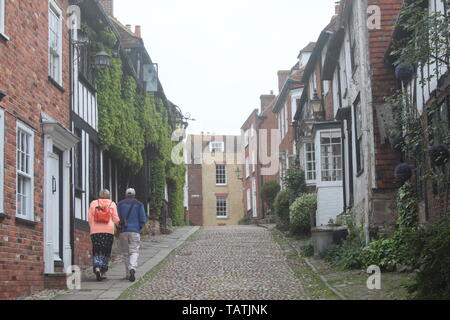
(266, 100)
(137, 31)
(337, 6)
(108, 6)
(128, 27)
(282, 77)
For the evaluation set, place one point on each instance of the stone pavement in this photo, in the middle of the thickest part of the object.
(224, 263)
(153, 251)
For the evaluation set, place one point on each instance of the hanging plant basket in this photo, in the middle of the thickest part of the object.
(397, 143)
(403, 172)
(404, 71)
(439, 155)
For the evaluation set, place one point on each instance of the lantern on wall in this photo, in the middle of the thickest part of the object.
(403, 172)
(439, 155)
(102, 60)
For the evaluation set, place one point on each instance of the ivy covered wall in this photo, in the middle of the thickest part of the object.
(132, 122)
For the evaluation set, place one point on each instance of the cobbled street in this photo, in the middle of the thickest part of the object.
(222, 263)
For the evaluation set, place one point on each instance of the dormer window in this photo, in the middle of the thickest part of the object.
(217, 146)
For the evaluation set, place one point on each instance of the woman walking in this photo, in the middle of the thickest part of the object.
(102, 218)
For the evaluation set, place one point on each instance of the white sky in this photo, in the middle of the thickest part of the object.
(216, 57)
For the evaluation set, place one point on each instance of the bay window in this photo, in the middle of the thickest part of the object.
(310, 162)
(331, 156)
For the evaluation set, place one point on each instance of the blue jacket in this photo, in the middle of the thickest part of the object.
(137, 218)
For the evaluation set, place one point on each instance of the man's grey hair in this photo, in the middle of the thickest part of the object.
(104, 194)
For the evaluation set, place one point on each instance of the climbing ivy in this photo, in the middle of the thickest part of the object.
(131, 122)
(119, 131)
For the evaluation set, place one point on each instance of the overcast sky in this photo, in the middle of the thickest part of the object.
(216, 57)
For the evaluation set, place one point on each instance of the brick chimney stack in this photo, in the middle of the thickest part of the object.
(108, 6)
(282, 77)
(138, 31)
(266, 100)
(337, 6)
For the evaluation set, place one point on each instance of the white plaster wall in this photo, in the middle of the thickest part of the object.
(329, 204)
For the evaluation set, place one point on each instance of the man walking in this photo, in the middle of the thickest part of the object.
(133, 218)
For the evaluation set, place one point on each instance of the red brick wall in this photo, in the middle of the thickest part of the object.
(82, 249)
(383, 81)
(24, 77)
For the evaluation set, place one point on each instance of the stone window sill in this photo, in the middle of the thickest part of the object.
(4, 37)
(25, 222)
(56, 84)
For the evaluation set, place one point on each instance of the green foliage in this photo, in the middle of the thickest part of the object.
(307, 251)
(430, 248)
(346, 255)
(269, 192)
(157, 184)
(407, 205)
(118, 129)
(425, 44)
(295, 180)
(130, 122)
(429, 29)
(301, 213)
(244, 221)
(384, 253)
(281, 205)
(176, 181)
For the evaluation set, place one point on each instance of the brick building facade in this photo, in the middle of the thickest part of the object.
(214, 185)
(34, 111)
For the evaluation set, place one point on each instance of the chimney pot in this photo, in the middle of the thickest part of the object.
(266, 100)
(282, 77)
(137, 31)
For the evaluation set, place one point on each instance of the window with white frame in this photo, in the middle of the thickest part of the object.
(55, 42)
(249, 200)
(222, 207)
(2, 146)
(310, 162)
(247, 168)
(2, 16)
(359, 135)
(253, 161)
(286, 120)
(217, 146)
(25, 172)
(246, 138)
(331, 155)
(221, 174)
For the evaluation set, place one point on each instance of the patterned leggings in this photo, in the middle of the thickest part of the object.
(101, 250)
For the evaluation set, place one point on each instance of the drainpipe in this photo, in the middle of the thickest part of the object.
(368, 119)
(72, 189)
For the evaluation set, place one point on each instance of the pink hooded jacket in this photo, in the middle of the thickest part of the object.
(103, 227)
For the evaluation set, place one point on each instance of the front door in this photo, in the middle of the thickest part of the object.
(255, 209)
(55, 203)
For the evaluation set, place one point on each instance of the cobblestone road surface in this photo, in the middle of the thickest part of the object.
(223, 263)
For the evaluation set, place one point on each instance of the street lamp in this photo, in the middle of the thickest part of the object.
(316, 105)
(102, 60)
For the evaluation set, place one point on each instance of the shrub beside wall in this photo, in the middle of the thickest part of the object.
(301, 213)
